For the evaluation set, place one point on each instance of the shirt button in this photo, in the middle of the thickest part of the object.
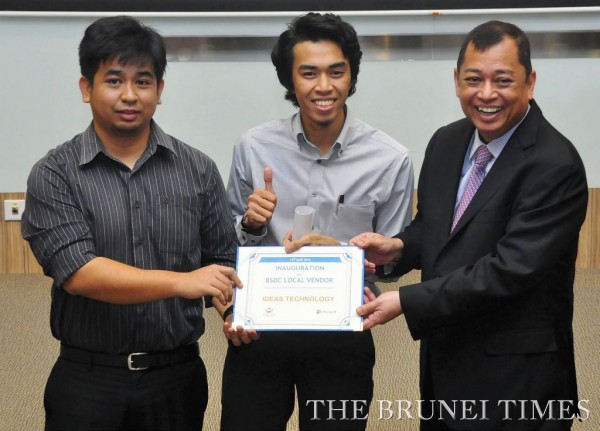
(319, 161)
(138, 204)
(314, 194)
(140, 241)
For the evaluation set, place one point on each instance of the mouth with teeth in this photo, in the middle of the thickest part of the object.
(324, 103)
(488, 110)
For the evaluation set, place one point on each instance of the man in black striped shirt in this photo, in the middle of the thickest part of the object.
(133, 226)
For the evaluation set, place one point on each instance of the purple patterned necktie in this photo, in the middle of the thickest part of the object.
(482, 158)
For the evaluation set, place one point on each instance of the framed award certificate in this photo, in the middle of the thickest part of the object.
(315, 288)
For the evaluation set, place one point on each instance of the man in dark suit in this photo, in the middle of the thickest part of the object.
(494, 308)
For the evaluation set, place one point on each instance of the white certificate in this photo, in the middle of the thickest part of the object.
(315, 288)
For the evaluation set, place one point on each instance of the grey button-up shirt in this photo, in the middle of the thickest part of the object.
(370, 169)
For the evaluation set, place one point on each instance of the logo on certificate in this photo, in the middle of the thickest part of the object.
(326, 311)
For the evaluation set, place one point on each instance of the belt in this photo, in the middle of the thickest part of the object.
(134, 361)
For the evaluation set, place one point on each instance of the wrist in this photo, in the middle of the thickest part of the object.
(177, 282)
(228, 312)
(251, 228)
(398, 247)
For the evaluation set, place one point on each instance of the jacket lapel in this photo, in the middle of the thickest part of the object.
(508, 162)
(446, 185)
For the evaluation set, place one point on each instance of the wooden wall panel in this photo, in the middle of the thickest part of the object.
(16, 256)
(589, 237)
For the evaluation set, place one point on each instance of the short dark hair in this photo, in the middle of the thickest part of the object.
(315, 27)
(123, 38)
(491, 33)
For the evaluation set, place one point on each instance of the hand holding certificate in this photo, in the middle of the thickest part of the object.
(315, 288)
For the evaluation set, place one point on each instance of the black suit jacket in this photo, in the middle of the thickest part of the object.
(494, 308)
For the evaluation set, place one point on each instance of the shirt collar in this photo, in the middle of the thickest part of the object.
(497, 145)
(92, 145)
(342, 140)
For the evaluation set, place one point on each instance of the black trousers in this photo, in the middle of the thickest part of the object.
(332, 373)
(91, 397)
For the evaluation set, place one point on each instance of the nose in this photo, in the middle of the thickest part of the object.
(324, 83)
(129, 95)
(487, 90)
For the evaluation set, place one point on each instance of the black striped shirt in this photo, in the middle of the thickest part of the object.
(169, 212)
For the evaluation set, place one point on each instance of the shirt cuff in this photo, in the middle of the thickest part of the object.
(248, 236)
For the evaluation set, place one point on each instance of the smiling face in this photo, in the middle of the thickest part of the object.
(123, 99)
(321, 78)
(493, 89)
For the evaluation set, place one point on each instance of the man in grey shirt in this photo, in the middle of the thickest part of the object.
(356, 177)
(132, 225)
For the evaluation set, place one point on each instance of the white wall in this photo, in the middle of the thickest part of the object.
(208, 105)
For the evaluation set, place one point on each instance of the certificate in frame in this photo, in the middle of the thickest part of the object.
(313, 289)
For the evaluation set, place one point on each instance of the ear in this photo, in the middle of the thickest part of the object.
(85, 86)
(161, 87)
(456, 84)
(531, 83)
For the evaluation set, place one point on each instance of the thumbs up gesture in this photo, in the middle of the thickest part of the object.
(261, 203)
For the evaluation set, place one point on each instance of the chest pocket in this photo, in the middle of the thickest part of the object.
(350, 220)
(176, 222)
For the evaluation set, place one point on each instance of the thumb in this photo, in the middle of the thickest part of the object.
(365, 309)
(359, 241)
(268, 175)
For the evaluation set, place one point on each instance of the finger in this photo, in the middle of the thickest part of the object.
(227, 329)
(252, 217)
(370, 266)
(235, 339)
(318, 239)
(244, 337)
(253, 334)
(293, 246)
(290, 247)
(268, 175)
(366, 309)
(358, 240)
(287, 238)
(368, 323)
(223, 289)
(369, 295)
(231, 334)
(261, 198)
(260, 212)
(231, 276)
(247, 336)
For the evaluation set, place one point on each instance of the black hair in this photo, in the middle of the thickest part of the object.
(315, 27)
(123, 38)
(491, 33)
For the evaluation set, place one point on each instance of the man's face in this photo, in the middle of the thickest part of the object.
(322, 79)
(492, 88)
(123, 98)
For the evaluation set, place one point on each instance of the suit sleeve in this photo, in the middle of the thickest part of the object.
(411, 235)
(539, 239)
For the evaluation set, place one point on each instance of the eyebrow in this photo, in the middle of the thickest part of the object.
(331, 66)
(497, 71)
(120, 72)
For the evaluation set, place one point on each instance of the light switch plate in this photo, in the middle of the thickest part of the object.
(13, 209)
